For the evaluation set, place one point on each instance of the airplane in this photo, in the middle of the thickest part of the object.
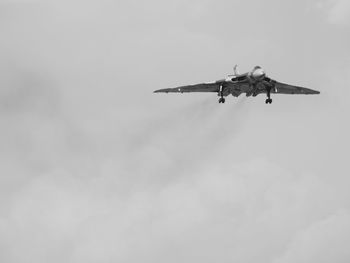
(251, 83)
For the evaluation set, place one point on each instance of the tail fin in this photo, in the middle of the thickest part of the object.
(235, 70)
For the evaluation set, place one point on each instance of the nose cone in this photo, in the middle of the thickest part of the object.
(258, 73)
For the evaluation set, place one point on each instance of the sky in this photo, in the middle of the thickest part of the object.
(95, 167)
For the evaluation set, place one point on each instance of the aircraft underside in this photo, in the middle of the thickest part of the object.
(251, 83)
(250, 92)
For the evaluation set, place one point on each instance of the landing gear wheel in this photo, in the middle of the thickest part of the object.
(268, 100)
(221, 94)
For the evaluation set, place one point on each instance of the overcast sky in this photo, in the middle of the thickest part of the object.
(94, 167)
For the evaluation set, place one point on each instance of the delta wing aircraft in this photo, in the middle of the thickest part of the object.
(251, 83)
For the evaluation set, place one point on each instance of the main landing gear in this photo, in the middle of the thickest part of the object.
(221, 94)
(268, 100)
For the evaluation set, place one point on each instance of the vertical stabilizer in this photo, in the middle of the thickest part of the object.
(235, 70)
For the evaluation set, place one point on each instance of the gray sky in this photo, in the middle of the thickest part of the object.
(94, 167)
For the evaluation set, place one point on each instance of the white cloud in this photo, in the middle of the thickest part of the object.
(212, 213)
(338, 11)
(324, 241)
(96, 168)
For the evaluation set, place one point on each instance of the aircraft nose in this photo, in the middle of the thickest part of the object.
(258, 73)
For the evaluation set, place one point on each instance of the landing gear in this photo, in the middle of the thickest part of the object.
(268, 100)
(222, 100)
(221, 94)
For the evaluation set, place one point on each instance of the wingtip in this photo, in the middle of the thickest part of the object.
(161, 91)
(314, 92)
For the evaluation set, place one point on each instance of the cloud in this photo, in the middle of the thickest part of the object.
(323, 241)
(96, 168)
(211, 213)
(338, 11)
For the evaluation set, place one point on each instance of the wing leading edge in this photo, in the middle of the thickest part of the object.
(202, 87)
(283, 88)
